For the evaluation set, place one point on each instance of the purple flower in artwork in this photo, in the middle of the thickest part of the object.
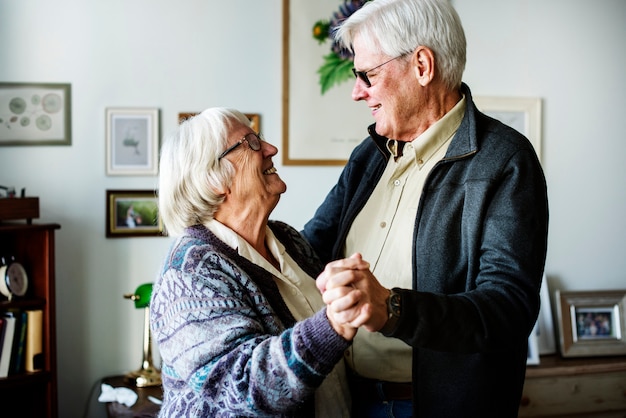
(338, 63)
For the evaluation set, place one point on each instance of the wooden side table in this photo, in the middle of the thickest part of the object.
(581, 387)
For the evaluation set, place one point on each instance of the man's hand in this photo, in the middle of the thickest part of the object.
(353, 296)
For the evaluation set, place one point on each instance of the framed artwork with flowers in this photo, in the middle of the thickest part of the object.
(321, 123)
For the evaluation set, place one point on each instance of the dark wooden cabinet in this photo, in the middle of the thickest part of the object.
(32, 394)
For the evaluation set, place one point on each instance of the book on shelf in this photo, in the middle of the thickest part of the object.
(33, 351)
(7, 343)
(16, 366)
(3, 323)
(21, 342)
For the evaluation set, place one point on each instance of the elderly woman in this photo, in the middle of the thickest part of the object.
(240, 325)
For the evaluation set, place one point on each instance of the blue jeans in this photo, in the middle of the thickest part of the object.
(376, 408)
(375, 399)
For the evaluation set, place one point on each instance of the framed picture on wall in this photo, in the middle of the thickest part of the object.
(132, 141)
(132, 213)
(318, 128)
(255, 119)
(592, 323)
(35, 114)
(520, 113)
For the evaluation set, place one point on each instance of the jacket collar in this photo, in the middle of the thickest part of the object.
(464, 142)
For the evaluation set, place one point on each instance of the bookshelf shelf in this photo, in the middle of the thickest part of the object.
(33, 394)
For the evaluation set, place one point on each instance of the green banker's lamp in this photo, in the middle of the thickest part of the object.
(147, 374)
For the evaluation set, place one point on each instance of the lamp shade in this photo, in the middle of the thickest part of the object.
(141, 295)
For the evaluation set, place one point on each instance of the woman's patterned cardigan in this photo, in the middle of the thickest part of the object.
(229, 345)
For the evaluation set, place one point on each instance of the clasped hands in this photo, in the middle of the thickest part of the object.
(353, 296)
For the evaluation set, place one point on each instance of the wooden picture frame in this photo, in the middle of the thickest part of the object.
(132, 213)
(35, 114)
(520, 113)
(132, 141)
(592, 323)
(318, 129)
(255, 118)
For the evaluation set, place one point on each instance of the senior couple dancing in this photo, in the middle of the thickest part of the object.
(412, 290)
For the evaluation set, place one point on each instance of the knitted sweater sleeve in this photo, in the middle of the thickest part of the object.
(224, 349)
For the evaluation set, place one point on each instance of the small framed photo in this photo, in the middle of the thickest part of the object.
(592, 323)
(132, 141)
(35, 114)
(132, 213)
(255, 119)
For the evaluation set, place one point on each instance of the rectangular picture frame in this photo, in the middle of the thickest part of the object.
(545, 332)
(318, 129)
(520, 113)
(592, 323)
(132, 141)
(532, 357)
(132, 213)
(255, 119)
(35, 114)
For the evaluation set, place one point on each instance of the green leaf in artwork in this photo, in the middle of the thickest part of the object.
(335, 70)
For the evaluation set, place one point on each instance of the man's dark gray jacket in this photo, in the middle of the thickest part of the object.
(479, 248)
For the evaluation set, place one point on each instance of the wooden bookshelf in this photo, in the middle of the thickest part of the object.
(33, 394)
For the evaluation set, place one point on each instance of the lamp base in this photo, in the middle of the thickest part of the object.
(144, 377)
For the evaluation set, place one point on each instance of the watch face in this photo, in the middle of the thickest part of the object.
(395, 304)
(16, 279)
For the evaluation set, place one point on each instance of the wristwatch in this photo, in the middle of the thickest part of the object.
(394, 310)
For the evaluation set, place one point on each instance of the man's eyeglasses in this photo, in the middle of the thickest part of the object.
(363, 74)
(253, 140)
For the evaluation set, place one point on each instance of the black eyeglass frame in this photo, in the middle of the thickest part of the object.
(254, 145)
(362, 75)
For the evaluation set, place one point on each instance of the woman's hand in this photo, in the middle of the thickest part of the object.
(353, 296)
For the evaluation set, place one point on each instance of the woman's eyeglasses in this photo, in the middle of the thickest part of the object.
(253, 140)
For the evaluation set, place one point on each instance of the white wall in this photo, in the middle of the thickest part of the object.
(192, 54)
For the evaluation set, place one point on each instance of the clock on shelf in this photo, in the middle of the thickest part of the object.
(13, 278)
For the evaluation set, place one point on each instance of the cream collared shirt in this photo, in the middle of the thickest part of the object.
(298, 290)
(383, 233)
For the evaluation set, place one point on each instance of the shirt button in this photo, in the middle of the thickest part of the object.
(420, 161)
(396, 182)
(383, 224)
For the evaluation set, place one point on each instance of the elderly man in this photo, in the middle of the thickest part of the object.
(450, 208)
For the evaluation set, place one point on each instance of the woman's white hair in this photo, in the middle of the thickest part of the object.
(398, 27)
(191, 178)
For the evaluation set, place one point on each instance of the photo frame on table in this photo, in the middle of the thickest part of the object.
(132, 213)
(35, 114)
(592, 323)
(255, 119)
(546, 336)
(532, 358)
(132, 141)
(318, 129)
(520, 113)
(541, 340)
